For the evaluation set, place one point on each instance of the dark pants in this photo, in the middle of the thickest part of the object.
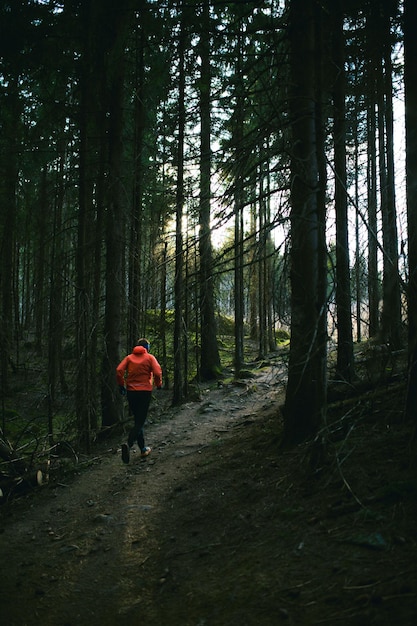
(139, 405)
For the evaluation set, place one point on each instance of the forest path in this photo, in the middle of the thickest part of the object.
(220, 526)
(95, 550)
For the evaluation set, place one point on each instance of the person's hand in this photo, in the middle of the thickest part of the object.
(122, 390)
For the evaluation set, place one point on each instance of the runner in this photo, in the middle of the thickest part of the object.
(136, 376)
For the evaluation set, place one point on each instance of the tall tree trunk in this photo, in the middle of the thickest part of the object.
(40, 277)
(266, 334)
(10, 168)
(134, 302)
(391, 309)
(345, 363)
(305, 395)
(262, 268)
(410, 63)
(270, 339)
(322, 74)
(209, 354)
(60, 278)
(117, 19)
(179, 385)
(358, 256)
(253, 278)
(373, 282)
(238, 217)
(56, 272)
(91, 73)
(163, 317)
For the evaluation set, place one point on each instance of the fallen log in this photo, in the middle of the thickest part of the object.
(18, 485)
(16, 477)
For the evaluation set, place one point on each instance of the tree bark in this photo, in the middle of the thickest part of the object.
(373, 284)
(91, 76)
(179, 374)
(209, 353)
(410, 60)
(238, 216)
(117, 20)
(391, 308)
(136, 257)
(345, 363)
(8, 224)
(305, 395)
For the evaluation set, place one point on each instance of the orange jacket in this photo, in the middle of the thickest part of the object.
(139, 371)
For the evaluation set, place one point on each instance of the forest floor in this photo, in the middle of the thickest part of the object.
(220, 526)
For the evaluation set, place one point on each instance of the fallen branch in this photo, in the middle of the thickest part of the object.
(16, 476)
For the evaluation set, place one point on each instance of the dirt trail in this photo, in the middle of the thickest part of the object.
(98, 548)
(221, 527)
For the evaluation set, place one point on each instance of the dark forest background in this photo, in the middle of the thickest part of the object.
(201, 173)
